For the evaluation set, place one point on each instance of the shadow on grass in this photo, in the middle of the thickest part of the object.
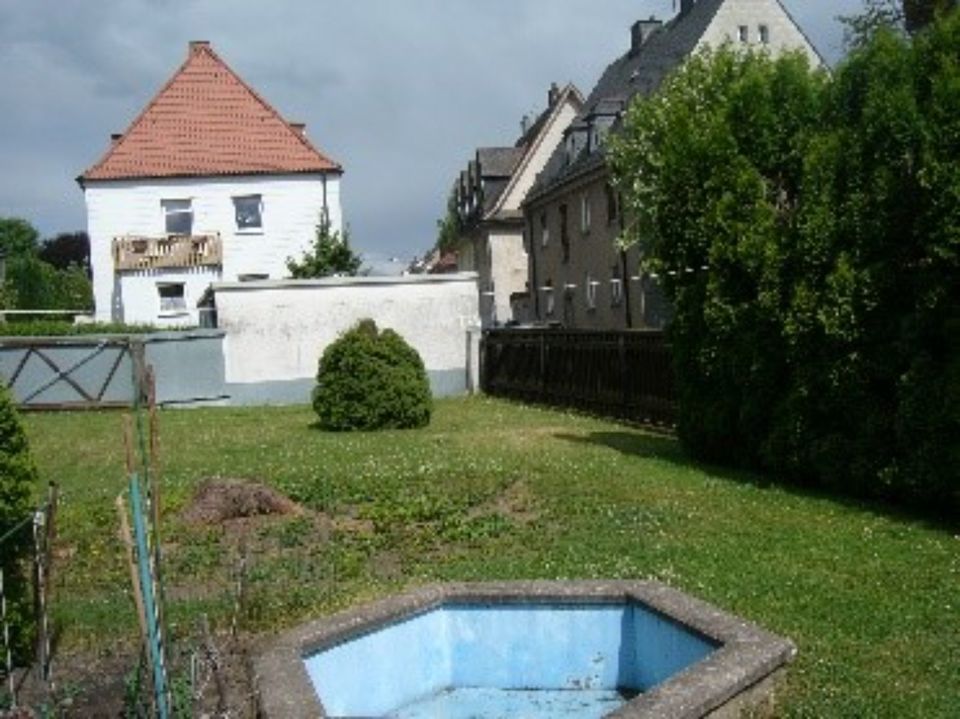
(646, 445)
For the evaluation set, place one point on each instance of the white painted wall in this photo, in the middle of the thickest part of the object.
(291, 209)
(141, 299)
(784, 33)
(508, 269)
(277, 330)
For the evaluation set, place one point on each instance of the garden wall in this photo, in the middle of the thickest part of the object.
(264, 351)
(277, 329)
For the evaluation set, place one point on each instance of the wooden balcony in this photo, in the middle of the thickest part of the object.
(137, 252)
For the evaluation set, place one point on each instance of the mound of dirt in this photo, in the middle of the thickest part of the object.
(218, 500)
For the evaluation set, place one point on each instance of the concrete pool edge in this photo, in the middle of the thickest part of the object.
(742, 671)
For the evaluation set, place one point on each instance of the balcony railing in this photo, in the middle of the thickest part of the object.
(136, 252)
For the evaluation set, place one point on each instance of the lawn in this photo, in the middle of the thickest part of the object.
(494, 490)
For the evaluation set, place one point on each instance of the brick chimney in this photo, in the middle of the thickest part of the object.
(641, 31)
(553, 94)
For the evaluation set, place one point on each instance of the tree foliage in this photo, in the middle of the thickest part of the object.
(817, 330)
(331, 255)
(18, 477)
(370, 379)
(448, 228)
(67, 249)
(18, 237)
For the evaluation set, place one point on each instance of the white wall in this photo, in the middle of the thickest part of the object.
(784, 33)
(141, 299)
(276, 330)
(291, 209)
(508, 270)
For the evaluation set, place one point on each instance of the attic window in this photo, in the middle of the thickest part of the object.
(743, 33)
(765, 34)
(248, 210)
(178, 216)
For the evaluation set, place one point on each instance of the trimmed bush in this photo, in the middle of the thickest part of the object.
(18, 475)
(370, 379)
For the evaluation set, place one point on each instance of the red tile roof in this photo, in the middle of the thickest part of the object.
(207, 121)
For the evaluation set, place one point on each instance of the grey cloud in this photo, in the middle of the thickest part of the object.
(399, 92)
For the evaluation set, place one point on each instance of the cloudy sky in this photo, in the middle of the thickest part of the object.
(398, 91)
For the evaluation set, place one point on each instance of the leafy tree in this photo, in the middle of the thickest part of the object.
(331, 255)
(66, 249)
(448, 228)
(18, 237)
(894, 15)
(37, 285)
(710, 170)
(18, 477)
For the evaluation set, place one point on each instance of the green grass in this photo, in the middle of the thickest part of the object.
(493, 490)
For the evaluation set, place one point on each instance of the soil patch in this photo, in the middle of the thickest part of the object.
(219, 500)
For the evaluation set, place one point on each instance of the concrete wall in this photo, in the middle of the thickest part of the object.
(291, 209)
(277, 330)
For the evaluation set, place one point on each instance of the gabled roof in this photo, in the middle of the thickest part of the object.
(499, 161)
(638, 71)
(207, 121)
(533, 140)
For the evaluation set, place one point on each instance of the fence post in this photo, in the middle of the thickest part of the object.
(8, 652)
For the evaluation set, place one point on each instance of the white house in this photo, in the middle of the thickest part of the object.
(208, 184)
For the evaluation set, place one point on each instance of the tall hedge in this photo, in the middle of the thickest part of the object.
(18, 476)
(808, 231)
(370, 379)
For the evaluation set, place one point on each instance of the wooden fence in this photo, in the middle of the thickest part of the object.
(625, 374)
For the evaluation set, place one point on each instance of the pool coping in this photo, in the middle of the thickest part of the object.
(747, 654)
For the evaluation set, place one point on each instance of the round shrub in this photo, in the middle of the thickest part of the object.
(370, 379)
(18, 474)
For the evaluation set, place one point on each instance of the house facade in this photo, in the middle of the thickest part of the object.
(578, 276)
(489, 193)
(208, 184)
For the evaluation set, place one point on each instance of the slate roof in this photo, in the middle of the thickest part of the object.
(207, 121)
(499, 161)
(634, 72)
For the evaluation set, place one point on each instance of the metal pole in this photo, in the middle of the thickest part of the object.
(6, 644)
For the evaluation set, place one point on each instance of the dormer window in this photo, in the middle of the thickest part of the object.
(177, 216)
(248, 210)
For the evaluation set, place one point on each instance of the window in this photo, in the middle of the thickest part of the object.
(585, 213)
(743, 33)
(172, 297)
(590, 292)
(612, 209)
(544, 230)
(765, 34)
(248, 211)
(178, 216)
(550, 299)
(616, 287)
(564, 234)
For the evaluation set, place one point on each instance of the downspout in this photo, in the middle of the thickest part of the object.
(326, 210)
(623, 268)
(533, 266)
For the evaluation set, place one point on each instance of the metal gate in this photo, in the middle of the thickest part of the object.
(71, 372)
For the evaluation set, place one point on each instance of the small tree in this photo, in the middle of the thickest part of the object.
(18, 475)
(18, 237)
(370, 379)
(331, 255)
(448, 229)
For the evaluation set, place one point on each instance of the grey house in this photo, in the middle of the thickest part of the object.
(578, 277)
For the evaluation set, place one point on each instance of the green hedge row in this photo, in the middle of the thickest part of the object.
(807, 229)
